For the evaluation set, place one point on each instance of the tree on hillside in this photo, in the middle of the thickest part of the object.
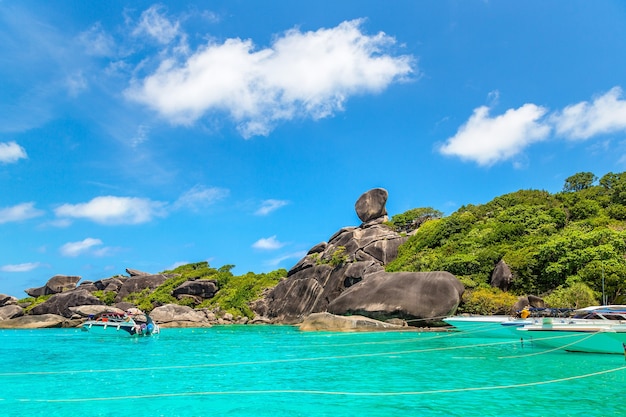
(580, 181)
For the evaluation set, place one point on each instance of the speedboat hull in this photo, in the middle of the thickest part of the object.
(486, 326)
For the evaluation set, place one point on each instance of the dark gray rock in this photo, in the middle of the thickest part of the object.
(331, 270)
(203, 288)
(60, 304)
(502, 277)
(371, 205)
(136, 273)
(6, 300)
(39, 322)
(55, 285)
(421, 297)
(10, 311)
(139, 283)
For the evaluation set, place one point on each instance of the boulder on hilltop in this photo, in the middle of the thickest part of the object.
(352, 261)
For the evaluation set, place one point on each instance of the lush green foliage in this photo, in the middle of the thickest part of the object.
(412, 219)
(566, 247)
(107, 297)
(234, 295)
(34, 301)
(487, 301)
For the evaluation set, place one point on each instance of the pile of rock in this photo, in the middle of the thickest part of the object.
(346, 276)
(71, 303)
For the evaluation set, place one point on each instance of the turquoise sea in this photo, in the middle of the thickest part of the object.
(280, 371)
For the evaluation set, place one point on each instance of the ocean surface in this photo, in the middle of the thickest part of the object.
(280, 371)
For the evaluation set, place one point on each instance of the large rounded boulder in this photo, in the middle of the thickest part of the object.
(59, 304)
(420, 297)
(371, 205)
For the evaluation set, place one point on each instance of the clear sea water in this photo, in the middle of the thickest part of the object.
(280, 371)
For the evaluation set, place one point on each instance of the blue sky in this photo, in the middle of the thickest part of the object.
(145, 135)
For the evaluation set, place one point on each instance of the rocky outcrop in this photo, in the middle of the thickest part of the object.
(39, 322)
(93, 310)
(139, 283)
(60, 304)
(6, 300)
(332, 323)
(355, 256)
(420, 297)
(501, 277)
(200, 289)
(55, 285)
(136, 273)
(173, 315)
(371, 205)
(10, 311)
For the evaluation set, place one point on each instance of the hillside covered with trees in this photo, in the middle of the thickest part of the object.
(566, 247)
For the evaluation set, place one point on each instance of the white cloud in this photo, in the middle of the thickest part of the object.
(73, 249)
(606, 114)
(11, 152)
(25, 267)
(114, 210)
(488, 140)
(156, 25)
(97, 41)
(268, 206)
(201, 196)
(19, 212)
(308, 74)
(270, 243)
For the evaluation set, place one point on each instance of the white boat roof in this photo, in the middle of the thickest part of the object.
(613, 307)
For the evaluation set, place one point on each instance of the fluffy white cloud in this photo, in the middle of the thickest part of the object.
(25, 267)
(74, 249)
(268, 206)
(19, 212)
(606, 114)
(11, 152)
(114, 210)
(200, 196)
(156, 25)
(307, 74)
(487, 140)
(270, 243)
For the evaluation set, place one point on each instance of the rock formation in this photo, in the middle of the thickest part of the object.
(173, 315)
(55, 285)
(332, 323)
(501, 277)
(352, 263)
(418, 297)
(60, 304)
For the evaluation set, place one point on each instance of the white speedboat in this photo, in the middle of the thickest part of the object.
(113, 323)
(596, 329)
(486, 326)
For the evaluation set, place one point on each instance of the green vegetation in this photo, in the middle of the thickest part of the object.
(234, 295)
(107, 297)
(412, 219)
(564, 247)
